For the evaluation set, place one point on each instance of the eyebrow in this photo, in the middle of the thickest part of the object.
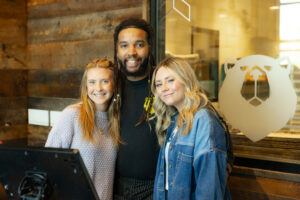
(168, 77)
(137, 41)
(141, 41)
(93, 79)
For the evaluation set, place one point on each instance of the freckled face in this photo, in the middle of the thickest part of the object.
(169, 89)
(100, 87)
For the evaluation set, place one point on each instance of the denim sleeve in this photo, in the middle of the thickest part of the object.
(210, 157)
(210, 175)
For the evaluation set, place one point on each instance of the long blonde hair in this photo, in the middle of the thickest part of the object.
(194, 100)
(87, 107)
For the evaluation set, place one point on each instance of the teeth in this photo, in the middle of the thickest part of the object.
(97, 95)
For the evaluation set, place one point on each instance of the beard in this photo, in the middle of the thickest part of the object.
(140, 72)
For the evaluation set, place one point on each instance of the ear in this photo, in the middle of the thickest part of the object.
(231, 60)
(285, 60)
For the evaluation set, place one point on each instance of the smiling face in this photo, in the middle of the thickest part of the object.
(100, 87)
(169, 89)
(132, 52)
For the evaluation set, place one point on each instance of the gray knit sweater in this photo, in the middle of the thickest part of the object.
(99, 159)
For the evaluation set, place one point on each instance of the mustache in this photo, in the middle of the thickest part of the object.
(141, 71)
(131, 56)
(137, 59)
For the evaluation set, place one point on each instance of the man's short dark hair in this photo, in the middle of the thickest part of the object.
(135, 23)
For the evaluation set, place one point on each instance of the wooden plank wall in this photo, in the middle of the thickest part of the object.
(63, 36)
(269, 148)
(13, 71)
(250, 183)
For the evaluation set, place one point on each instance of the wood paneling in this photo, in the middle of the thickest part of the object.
(269, 148)
(13, 104)
(13, 70)
(13, 30)
(54, 8)
(13, 132)
(13, 111)
(13, 83)
(38, 135)
(12, 60)
(73, 41)
(268, 142)
(68, 54)
(98, 25)
(13, 9)
(266, 153)
(13, 34)
(50, 103)
(13, 118)
(63, 83)
(249, 184)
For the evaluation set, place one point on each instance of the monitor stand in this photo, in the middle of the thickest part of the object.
(34, 186)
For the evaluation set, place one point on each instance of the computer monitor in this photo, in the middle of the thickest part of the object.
(30, 173)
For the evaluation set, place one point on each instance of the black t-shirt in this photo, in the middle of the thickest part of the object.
(138, 155)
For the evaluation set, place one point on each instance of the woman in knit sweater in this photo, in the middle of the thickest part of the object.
(92, 126)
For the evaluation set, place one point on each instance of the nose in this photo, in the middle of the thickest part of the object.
(131, 50)
(165, 87)
(99, 87)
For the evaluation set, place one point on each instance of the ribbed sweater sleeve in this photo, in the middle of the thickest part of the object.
(62, 132)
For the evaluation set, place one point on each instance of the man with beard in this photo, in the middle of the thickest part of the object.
(138, 152)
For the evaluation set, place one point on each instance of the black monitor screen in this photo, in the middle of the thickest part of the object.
(44, 173)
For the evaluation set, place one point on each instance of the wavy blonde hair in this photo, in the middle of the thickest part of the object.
(87, 107)
(194, 100)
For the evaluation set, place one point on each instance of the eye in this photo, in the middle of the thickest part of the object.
(105, 81)
(123, 45)
(171, 80)
(157, 85)
(140, 45)
(91, 81)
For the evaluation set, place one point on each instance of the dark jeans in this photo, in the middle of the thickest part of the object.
(133, 189)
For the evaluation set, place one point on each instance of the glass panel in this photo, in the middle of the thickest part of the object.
(289, 1)
(290, 47)
(205, 33)
(289, 27)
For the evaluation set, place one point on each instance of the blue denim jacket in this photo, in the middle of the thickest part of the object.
(196, 161)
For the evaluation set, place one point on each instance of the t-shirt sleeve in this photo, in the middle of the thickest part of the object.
(61, 134)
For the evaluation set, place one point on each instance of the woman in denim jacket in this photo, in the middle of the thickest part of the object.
(192, 160)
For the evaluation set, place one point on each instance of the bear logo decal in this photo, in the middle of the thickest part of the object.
(257, 96)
